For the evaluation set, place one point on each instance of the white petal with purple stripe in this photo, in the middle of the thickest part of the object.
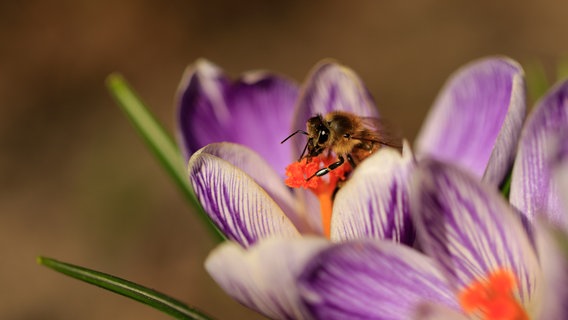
(372, 280)
(262, 173)
(264, 276)
(531, 189)
(374, 203)
(240, 208)
(551, 245)
(471, 231)
(476, 120)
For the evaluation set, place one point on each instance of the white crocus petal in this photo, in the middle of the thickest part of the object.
(264, 277)
(551, 245)
(532, 190)
(471, 231)
(476, 120)
(238, 206)
(560, 171)
(262, 173)
(432, 311)
(375, 201)
(311, 209)
(372, 279)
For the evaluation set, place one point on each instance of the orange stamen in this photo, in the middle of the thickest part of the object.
(323, 187)
(493, 298)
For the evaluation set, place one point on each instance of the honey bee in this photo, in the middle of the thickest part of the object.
(347, 135)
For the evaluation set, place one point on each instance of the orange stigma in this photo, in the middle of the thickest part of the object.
(493, 298)
(323, 187)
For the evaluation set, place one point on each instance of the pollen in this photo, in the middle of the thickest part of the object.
(300, 174)
(493, 297)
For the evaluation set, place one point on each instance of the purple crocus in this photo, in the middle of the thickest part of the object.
(476, 240)
(275, 232)
(245, 194)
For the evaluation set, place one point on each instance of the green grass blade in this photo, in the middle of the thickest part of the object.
(134, 291)
(158, 140)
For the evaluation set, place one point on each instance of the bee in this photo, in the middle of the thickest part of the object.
(348, 136)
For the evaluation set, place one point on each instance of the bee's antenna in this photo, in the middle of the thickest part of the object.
(293, 134)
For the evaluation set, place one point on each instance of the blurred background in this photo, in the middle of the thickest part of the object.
(79, 185)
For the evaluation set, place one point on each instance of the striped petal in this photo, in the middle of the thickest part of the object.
(263, 278)
(551, 245)
(471, 231)
(331, 87)
(531, 189)
(559, 166)
(431, 311)
(256, 111)
(371, 280)
(476, 120)
(375, 201)
(262, 173)
(240, 208)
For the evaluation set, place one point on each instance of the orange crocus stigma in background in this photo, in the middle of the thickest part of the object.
(323, 187)
(493, 298)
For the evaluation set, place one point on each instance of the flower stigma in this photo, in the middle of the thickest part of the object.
(493, 298)
(300, 174)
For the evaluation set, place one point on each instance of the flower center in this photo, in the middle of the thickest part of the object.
(301, 175)
(493, 298)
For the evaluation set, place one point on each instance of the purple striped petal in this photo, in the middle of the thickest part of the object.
(431, 311)
(371, 280)
(239, 207)
(471, 231)
(559, 166)
(331, 87)
(260, 171)
(203, 114)
(476, 120)
(531, 188)
(374, 203)
(263, 278)
(255, 111)
(551, 245)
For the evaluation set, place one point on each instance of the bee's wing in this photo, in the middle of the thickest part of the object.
(379, 131)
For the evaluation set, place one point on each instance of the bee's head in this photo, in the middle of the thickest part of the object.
(318, 133)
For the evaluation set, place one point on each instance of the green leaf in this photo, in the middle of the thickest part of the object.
(134, 291)
(159, 142)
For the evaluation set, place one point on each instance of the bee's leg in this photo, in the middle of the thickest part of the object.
(305, 148)
(324, 171)
(350, 160)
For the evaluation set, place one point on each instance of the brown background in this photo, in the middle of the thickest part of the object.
(78, 184)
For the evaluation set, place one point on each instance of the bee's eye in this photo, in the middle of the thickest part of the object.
(323, 135)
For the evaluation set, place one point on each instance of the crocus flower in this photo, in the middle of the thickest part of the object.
(271, 207)
(476, 239)
(247, 200)
(538, 189)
